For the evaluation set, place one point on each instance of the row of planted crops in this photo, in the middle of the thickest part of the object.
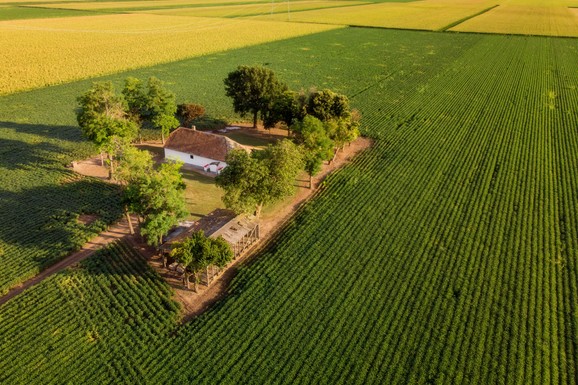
(446, 253)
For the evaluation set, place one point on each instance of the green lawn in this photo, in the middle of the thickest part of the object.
(202, 195)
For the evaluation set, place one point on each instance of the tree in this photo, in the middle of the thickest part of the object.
(133, 167)
(219, 253)
(283, 161)
(103, 119)
(161, 107)
(191, 254)
(286, 108)
(343, 131)
(136, 98)
(243, 181)
(253, 90)
(316, 144)
(253, 180)
(188, 112)
(198, 252)
(326, 105)
(158, 199)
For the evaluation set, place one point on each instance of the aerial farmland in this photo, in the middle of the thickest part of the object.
(444, 253)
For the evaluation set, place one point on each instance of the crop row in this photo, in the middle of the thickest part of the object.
(446, 253)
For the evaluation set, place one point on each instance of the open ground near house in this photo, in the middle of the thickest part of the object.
(445, 253)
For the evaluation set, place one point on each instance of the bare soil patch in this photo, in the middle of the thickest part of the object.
(87, 219)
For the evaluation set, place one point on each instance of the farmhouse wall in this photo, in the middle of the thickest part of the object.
(196, 160)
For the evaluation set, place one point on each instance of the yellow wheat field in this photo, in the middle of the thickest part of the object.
(548, 20)
(427, 14)
(98, 5)
(38, 53)
(253, 9)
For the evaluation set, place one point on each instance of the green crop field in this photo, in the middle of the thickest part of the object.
(446, 253)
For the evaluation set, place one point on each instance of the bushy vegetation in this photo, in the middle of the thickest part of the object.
(445, 254)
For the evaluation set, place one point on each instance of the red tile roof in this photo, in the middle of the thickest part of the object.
(201, 143)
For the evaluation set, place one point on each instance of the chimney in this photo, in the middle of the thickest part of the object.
(193, 127)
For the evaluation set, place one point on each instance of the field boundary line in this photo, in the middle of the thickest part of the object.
(458, 22)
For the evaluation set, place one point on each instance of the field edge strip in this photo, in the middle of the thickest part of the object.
(458, 22)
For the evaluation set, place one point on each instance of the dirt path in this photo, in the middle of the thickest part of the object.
(116, 231)
(194, 304)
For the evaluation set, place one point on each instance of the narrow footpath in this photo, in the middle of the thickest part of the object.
(116, 231)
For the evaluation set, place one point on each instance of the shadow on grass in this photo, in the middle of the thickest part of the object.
(68, 133)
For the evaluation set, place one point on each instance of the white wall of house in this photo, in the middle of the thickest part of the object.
(194, 160)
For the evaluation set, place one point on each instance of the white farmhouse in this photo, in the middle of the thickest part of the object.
(200, 149)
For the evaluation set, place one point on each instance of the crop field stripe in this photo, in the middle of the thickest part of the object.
(455, 23)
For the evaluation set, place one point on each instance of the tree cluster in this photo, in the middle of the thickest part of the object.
(261, 177)
(110, 119)
(322, 121)
(154, 195)
(198, 252)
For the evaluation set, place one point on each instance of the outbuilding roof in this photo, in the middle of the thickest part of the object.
(201, 143)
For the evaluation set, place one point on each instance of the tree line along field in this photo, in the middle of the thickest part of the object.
(444, 254)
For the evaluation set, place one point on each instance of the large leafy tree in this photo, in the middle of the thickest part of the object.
(158, 199)
(326, 105)
(133, 168)
(103, 118)
(198, 252)
(253, 90)
(286, 107)
(253, 180)
(244, 182)
(161, 107)
(283, 161)
(316, 144)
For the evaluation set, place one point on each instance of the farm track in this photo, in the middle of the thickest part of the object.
(114, 233)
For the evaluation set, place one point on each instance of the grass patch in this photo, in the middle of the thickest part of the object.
(202, 195)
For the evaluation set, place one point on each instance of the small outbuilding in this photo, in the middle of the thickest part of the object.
(199, 149)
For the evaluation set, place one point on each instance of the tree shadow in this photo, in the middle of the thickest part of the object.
(68, 133)
(40, 225)
(16, 154)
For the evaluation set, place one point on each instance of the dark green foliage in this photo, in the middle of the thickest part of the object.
(136, 99)
(316, 144)
(285, 108)
(161, 107)
(189, 112)
(327, 105)
(253, 90)
(197, 252)
(264, 176)
(244, 182)
(157, 197)
(102, 115)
